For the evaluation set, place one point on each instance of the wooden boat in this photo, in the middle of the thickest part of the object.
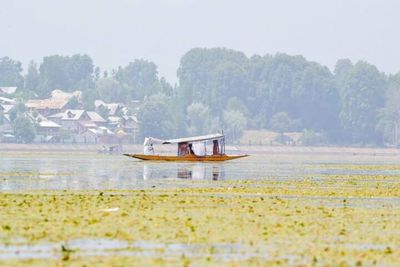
(189, 149)
(185, 158)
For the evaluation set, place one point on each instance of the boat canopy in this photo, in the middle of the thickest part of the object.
(208, 137)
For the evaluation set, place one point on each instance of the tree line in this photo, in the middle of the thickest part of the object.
(220, 88)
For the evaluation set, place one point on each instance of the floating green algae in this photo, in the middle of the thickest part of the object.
(297, 223)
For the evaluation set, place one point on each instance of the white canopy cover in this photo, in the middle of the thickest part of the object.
(199, 148)
(193, 139)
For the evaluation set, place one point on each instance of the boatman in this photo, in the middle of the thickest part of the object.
(148, 146)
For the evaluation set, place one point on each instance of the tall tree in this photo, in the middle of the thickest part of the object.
(316, 99)
(156, 118)
(18, 110)
(209, 76)
(10, 73)
(199, 120)
(32, 80)
(140, 77)
(234, 123)
(362, 88)
(66, 73)
(389, 115)
(24, 130)
(111, 90)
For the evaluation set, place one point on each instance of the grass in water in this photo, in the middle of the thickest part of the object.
(300, 223)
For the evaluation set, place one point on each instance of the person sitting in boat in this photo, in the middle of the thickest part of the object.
(191, 152)
(215, 147)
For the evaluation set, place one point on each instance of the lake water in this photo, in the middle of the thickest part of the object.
(87, 170)
(44, 170)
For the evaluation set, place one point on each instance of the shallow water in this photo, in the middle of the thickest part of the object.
(347, 197)
(71, 170)
(102, 247)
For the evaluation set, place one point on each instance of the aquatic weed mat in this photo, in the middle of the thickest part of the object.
(235, 223)
(359, 166)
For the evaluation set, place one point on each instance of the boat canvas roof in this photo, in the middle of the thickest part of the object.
(195, 139)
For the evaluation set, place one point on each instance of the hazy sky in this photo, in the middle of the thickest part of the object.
(115, 32)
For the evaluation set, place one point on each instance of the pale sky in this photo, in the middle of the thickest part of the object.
(115, 32)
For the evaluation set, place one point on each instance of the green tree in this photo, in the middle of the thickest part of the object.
(281, 122)
(80, 72)
(260, 87)
(65, 73)
(316, 99)
(210, 75)
(274, 79)
(155, 117)
(32, 81)
(110, 90)
(166, 88)
(389, 115)
(362, 88)
(18, 110)
(88, 97)
(234, 103)
(198, 119)
(140, 77)
(10, 73)
(53, 75)
(24, 130)
(234, 123)
(74, 103)
(305, 90)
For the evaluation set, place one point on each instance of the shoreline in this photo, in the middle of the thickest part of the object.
(252, 149)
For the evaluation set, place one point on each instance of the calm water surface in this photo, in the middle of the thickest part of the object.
(86, 170)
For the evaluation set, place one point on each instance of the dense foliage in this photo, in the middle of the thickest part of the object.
(24, 129)
(224, 89)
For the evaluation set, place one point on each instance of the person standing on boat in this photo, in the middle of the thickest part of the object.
(148, 146)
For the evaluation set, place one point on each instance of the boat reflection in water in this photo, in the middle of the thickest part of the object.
(198, 171)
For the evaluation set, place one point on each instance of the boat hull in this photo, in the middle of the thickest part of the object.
(185, 158)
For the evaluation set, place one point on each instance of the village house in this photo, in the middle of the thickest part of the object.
(96, 118)
(57, 103)
(7, 101)
(114, 109)
(4, 91)
(46, 130)
(77, 122)
(72, 120)
(55, 121)
(104, 135)
(46, 106)
(49, 131)
(130, 125)
(6, 129)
